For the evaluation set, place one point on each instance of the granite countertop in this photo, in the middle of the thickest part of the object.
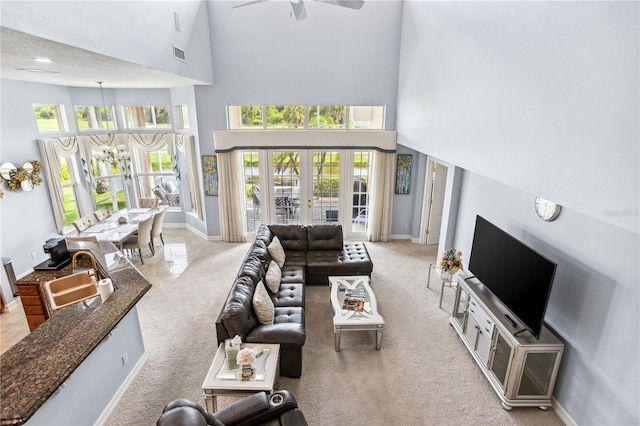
(35, 367)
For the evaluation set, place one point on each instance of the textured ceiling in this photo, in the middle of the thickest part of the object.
(74, 67)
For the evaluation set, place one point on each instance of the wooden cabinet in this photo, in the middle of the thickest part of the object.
(35, 308)
(521, 369)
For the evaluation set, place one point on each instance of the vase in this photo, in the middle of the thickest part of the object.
(445, 276)
(246, 372)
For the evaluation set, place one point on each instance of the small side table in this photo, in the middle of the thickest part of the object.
(450, 282)
(220, 382)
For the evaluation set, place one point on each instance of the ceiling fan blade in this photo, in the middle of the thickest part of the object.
(299, 10)
(351, 4)
(249, 3)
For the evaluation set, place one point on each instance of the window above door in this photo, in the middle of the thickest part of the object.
(312, 117)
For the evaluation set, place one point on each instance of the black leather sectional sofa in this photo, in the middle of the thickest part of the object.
(313, 252)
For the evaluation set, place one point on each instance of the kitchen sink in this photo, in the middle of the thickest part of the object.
(70, 289)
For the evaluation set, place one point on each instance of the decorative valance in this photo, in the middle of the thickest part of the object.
(377, 140)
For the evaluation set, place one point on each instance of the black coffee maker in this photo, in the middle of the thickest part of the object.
(58, 253)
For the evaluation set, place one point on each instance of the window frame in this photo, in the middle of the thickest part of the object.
(108, 111)
(61, 118)
(235, 116)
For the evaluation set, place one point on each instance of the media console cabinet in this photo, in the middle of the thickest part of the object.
(521, 369)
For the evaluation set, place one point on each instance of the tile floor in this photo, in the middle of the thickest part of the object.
(169, 262)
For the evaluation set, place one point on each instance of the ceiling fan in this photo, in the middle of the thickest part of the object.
(299, 11)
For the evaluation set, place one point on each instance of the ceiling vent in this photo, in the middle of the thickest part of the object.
(178, 54)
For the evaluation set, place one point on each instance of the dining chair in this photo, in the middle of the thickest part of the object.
(142, 239)
(148, 203)
(83, 223)
(156, 228)
(91, 238)
(102, 214)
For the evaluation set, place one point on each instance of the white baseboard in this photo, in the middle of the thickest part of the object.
(562, 413)
(400, 236)
(11, 306)
(104, 416)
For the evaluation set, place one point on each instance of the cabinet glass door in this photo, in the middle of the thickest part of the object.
(538, 370)
(461, 302)
(501, 359)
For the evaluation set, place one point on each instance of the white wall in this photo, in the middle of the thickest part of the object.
(141, 32)
(262, 56)
(541, 98)
(593, 305)
(540, 95)
(27, 217)
(336, 56)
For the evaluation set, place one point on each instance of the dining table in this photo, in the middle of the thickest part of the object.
(120, 225)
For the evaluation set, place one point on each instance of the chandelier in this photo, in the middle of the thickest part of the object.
(111, 155)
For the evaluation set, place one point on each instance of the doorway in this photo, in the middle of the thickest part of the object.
(307, 187)
(434, 198)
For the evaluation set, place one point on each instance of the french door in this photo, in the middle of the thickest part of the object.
(307, 187)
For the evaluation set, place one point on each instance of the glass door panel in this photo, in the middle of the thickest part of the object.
(501, 358)
(360, 196)
(538, 370)
(286, 187)
(251, 186)
(326, 187)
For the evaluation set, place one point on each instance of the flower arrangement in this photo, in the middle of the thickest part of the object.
(451, 261)
(245, 357)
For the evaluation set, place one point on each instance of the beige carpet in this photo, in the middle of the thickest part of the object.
(423, 374)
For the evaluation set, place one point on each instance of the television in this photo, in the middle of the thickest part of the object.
(515, 273)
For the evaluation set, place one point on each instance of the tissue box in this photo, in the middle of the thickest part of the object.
(231, 354)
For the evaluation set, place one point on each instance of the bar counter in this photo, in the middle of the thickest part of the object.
(39, 364)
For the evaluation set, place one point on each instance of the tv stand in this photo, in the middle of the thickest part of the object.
(521, 369)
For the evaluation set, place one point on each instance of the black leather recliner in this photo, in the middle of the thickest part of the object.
(276, 408)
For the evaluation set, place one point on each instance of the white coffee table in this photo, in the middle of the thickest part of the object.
(221, 382)
(349, 320)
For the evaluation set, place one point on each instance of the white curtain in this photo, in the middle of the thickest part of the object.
(230, 185)
(186, 144)
(382, 188)
(52, 149)
(149, 143)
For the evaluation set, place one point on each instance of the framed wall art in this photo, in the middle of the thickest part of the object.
(210, 174)
(403, 174)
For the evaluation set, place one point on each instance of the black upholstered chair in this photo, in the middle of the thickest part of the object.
(277, 408)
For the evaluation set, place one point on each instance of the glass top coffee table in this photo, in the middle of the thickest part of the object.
(222, 382)
(355, 307)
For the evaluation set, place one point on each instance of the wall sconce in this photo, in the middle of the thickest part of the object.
(25, 177)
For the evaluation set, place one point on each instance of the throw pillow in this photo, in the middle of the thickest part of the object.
(263, 305)
(273, 277)
(276, 251)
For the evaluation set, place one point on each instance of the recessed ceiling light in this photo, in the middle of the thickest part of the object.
(43, 60)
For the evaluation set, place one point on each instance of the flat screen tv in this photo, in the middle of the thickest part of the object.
(515, 273)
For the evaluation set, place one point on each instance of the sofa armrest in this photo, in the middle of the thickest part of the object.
(186, 412)
(257, 408)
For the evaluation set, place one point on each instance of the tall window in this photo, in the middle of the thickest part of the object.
(360, 205)
(68, 182)
(50, 118)
(326, 187)
(95, 118)
(143, 117)
(108, 188)
(252, 193)
(155, 176)
(286, 186)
